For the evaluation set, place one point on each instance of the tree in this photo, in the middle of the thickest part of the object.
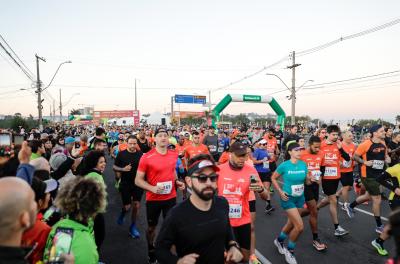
(17, 122)
(75, 112)
(398, 119)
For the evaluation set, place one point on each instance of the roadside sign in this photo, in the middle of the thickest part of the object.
(190, 99)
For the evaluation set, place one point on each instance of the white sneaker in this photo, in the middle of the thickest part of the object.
(289, 257)
(281, 248)
(340, 231)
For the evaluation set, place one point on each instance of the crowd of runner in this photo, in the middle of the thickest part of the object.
(203, 181)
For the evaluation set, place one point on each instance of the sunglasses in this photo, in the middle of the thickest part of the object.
(202, 178)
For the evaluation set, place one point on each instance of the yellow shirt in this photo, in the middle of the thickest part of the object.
(394, 171)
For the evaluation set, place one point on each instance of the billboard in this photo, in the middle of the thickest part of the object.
(115, 114)
(190, 99)
(186, 114)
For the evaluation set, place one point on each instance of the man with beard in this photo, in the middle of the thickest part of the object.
(199, 227)
(143, 143)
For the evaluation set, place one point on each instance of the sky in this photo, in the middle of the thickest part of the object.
(191, 47)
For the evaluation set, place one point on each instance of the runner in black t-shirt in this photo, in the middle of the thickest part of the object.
(126, 164)
(199, 227)
(143, 142)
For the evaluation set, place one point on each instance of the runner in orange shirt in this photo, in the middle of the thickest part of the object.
(313, 158)
(195, 148)
(332, 151)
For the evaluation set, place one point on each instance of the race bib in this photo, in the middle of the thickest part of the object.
(316, 174)
(378, 164)
(266, 164)
(297, 190)
(212, 148)
(346, 164)
(166, 187)
(278, 141)
(330, 172)
(235, 211)
(220, 149)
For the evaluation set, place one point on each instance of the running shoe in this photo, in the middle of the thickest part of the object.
(271, 189)
(318, 245)
(120, 220)
(379, 229)
(280, 246)
(289, 257)
(133, 231)
(343, 207)
(269, 209)
(379, 248)
(340, 231)
(349, 210)
(254, 260)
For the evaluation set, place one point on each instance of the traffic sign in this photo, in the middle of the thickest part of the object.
(190, 99)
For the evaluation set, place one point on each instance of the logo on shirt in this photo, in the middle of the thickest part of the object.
(232, 189)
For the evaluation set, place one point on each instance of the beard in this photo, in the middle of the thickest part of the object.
(202, 193)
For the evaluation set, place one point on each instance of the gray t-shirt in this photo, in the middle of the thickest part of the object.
(212, 143)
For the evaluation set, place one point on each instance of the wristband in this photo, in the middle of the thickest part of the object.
(233, 244)
(263, 189)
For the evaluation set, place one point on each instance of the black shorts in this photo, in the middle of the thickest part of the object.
(346, 178)
(330, 186)
(154, 209)
(394, 204)
(272, 166)
(129, 193)
(243, 235)
(265, 176)
(311, 192)
(252, 206)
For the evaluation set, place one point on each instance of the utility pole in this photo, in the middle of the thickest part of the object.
(135, 96)
(172, 107)
(60, 107)
(54, 111)
(39, 92)
(293, 95)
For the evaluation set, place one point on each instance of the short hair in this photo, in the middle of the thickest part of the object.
(99, 141)
(195, 133)
(131, 137)
(35, 145)
(199, 157)
(332, 128)
(395, 134)
(293, 126)
(314, 139)
(82, 198)
(100, 131)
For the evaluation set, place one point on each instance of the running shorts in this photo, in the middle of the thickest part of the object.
(346, 178)
(252, 206)
(243, 235)
(311, 192)
(129, 193)
(265, 176)
(329, 187)
(155, 208)
(371, 185)
(293, 202)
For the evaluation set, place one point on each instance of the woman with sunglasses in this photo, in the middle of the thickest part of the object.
(199, 227)
(294, 175)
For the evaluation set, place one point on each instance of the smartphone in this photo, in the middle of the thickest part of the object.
(5, 139)
(253, 179)
(18, 139)
(61, 244)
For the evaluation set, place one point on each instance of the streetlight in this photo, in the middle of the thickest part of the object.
(292, 96)
(59, 66)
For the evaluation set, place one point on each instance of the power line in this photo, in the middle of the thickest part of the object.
(316, 86)
(10, 55)
(356, 35)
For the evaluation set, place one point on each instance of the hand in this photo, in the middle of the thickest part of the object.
(127, 167)
(255, 187)
(75, 152)
(388, 159)
(76, 163)
(67, 258)
(368, 163)
(339, 144)
(283, 196)
(233, 255)
(181, 186)
(397, 191)
(188, 259)
(25, 153)
(156, 189)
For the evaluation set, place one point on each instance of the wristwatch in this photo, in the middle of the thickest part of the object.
(233, 244)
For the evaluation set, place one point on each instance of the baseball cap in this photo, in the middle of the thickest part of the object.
(57, 159)
(238, 148)
(201, 164)
(262, 141)
(69, 140)
(42, 187)
(374, 128)
(44, 136)
(160, 130)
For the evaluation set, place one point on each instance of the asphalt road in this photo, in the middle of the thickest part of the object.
(119, 247)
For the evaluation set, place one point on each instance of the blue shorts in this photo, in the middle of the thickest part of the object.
(293, 202)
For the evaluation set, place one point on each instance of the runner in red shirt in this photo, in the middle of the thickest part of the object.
(236, 180)
(195, 148)
(157, 176)
(313, 158)
(332, 151)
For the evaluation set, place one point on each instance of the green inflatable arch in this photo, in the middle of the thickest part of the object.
(249, 99)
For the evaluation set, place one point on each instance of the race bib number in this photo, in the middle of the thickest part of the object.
(166, 187)
(316, 174)
(378, 164)
(346, 164)
(297, 190)
(235, 211)
(220, 149)
(266, 164)
(278, 141)
(330, 172)
(212, 148)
